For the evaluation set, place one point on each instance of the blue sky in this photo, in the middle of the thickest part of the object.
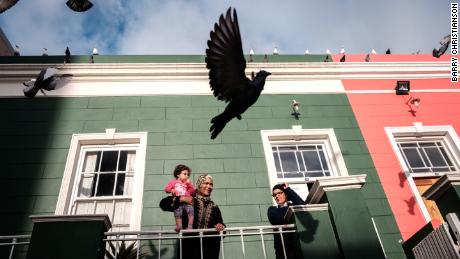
(182, 26)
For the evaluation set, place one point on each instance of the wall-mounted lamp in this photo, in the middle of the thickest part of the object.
(413, 104)
(402, 87)
(295, 108)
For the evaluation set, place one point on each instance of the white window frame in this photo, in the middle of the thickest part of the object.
(109, 138)
(297, 135)
(446, 133)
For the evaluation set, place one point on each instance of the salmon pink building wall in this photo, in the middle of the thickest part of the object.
(375, 110)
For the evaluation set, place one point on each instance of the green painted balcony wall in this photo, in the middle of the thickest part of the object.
(36, 133)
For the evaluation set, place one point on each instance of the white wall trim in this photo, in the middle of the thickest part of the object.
(128, 79)
(333, 184)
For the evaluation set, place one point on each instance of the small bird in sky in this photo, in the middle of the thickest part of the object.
(445, 41)
(6, 4)
(48, 79)
(79, 5)
(227, 79)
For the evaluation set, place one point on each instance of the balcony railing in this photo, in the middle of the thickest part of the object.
(229, 237)
(13, 245)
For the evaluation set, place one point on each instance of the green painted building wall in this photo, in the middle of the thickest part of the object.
(35, 137)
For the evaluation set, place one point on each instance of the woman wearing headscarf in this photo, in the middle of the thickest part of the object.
(207, 215)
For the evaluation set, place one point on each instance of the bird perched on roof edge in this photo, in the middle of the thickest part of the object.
(48, 79)
(79, 5)
(227, 79)
(16, 52)
(6, 4)
(68, 56)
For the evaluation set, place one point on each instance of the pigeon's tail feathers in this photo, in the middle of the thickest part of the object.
(218, 124)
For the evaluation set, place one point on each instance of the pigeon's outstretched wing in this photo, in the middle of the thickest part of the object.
(48, 79)
(225, 59)
(6, 4)
(79, 5)
(445, 41)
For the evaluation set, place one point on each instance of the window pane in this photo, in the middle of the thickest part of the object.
(300, 161)
(293, 175)
(123, 159)
(109, 161)
(288, 162)
(323, 161)
(277, 162)
(105, 185)
(408, 144)
(91, 161)
(435, 157)
(86, 185)
(444, 154)
(119, 189)
(130, 161)
(307, 148)
(287, 148)
(312, 160)
(413, 158)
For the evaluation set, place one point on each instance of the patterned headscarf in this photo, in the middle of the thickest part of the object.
(201, 179)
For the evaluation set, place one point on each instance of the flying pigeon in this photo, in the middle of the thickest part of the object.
(48, 79)
(67, 58)
(79, 5)
(445, 41)
(6, 4)
(226, 64)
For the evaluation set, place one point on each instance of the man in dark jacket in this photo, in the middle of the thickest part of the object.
(284, 197)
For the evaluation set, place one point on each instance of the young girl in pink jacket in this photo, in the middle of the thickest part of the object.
(182, 186)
